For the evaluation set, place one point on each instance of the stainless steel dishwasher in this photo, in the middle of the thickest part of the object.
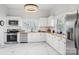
(23, 37)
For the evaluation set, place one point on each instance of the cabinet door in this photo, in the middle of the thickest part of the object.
(30, 37)
(42, 37)
(43, 22)
(36, 37)
(49, 40)
(52, 41)
(62, 47)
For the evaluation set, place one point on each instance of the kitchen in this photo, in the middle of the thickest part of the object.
(34, 33)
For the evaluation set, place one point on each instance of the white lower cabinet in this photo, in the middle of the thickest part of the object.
(49, 39)
(36, 37)
(62, 46)
(57, 43)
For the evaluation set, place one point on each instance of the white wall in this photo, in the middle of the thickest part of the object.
(3, 13)
(21, 12)
(3, 10)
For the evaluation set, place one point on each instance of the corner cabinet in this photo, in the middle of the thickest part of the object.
(62, 46)
(36, 37)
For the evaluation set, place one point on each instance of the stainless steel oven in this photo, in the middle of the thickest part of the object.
(12, 35)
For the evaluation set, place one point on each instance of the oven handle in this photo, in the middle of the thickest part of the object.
(12, 34)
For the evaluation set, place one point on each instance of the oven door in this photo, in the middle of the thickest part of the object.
(12, 38)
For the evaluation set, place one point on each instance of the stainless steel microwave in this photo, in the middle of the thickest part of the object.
(13, 22)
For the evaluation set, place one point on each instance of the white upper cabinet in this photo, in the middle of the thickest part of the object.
(30, 24)
(51, 21)
(43, 22)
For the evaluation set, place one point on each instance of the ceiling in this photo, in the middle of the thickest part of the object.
(43, 6)
(21, 6)
(44, 9)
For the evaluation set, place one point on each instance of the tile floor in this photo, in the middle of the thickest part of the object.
(70, 48)
(41, 48)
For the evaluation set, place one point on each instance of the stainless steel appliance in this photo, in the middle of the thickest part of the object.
(70, 34)
(76, 34)
(23, 37)
(13, 22)
(12, 35)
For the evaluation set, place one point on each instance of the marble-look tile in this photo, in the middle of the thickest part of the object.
(41, 48)
(70, 48)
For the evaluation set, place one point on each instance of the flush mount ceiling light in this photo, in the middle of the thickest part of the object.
(31, 7)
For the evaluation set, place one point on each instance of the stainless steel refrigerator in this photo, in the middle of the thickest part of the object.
(76, 33)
